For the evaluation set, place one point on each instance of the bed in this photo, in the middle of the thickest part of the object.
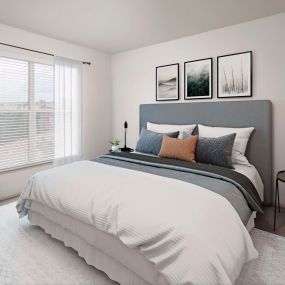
(133, 216)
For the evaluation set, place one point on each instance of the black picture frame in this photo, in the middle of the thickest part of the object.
(176, 98)
(250, 70)
(201, 97)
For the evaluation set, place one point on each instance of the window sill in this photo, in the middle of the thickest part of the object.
(21, 167)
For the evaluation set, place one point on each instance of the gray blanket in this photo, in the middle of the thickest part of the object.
(235, 187)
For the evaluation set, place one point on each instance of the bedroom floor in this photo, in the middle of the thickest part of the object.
(52, 263)
(265, 221)
(10, 200)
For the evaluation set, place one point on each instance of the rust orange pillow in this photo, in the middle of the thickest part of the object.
(179, 149)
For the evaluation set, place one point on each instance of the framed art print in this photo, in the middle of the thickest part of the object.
(198, 79)
(234, 75)
(167, 82)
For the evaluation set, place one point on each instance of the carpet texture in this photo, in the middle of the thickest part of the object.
(29, 256)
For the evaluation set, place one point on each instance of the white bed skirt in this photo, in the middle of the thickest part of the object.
(101, 250)
(92, 255)
(251, 222)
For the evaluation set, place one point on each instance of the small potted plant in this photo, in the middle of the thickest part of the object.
(115, 144)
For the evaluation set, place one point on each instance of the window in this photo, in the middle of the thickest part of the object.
(26, 113)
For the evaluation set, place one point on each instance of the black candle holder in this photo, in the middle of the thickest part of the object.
(125, 148)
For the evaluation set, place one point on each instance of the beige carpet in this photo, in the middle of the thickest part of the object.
(30, 256)
(269, 267)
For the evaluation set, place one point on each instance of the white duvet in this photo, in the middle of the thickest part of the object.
(192, 235)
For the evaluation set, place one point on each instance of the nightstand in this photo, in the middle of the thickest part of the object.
(279, 177)
(130, 150)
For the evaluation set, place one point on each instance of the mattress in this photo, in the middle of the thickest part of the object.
(176, 169)
(253, 175)
(99, 249)
(248, 170)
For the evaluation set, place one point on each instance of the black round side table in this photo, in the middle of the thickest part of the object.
(279, 177)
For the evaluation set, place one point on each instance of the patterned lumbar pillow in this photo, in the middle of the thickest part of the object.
(216, 151)
(179, 149)
(150, 142)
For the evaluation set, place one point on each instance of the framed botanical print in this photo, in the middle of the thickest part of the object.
(167, 82)
(198, 78)
(234, 75)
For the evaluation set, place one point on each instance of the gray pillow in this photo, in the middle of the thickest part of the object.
(150, 142)
(216, 151)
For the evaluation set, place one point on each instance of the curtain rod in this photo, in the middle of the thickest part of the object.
(32, 50)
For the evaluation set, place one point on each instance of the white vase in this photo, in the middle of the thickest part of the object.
(115, 148)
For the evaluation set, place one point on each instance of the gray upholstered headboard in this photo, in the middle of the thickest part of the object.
(257, 114)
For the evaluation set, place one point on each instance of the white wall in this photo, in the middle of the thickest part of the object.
(133, 73)
(96, 99)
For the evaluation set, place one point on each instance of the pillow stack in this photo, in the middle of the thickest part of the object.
(215, 145)
(240, 142)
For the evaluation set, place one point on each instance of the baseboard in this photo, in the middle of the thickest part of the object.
(7, 199)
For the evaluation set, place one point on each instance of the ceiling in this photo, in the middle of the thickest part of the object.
(118, 25)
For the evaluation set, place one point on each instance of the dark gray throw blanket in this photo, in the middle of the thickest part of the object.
(234, 186)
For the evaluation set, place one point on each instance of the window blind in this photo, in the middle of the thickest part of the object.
(26, 112)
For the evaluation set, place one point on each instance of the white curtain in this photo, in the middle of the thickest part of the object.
(67, 110)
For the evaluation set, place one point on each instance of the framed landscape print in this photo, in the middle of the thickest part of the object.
(235, 75)
(198, 79)
(167, 82)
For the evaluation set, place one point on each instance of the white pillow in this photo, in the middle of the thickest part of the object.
(240, 143)
(162, 128)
